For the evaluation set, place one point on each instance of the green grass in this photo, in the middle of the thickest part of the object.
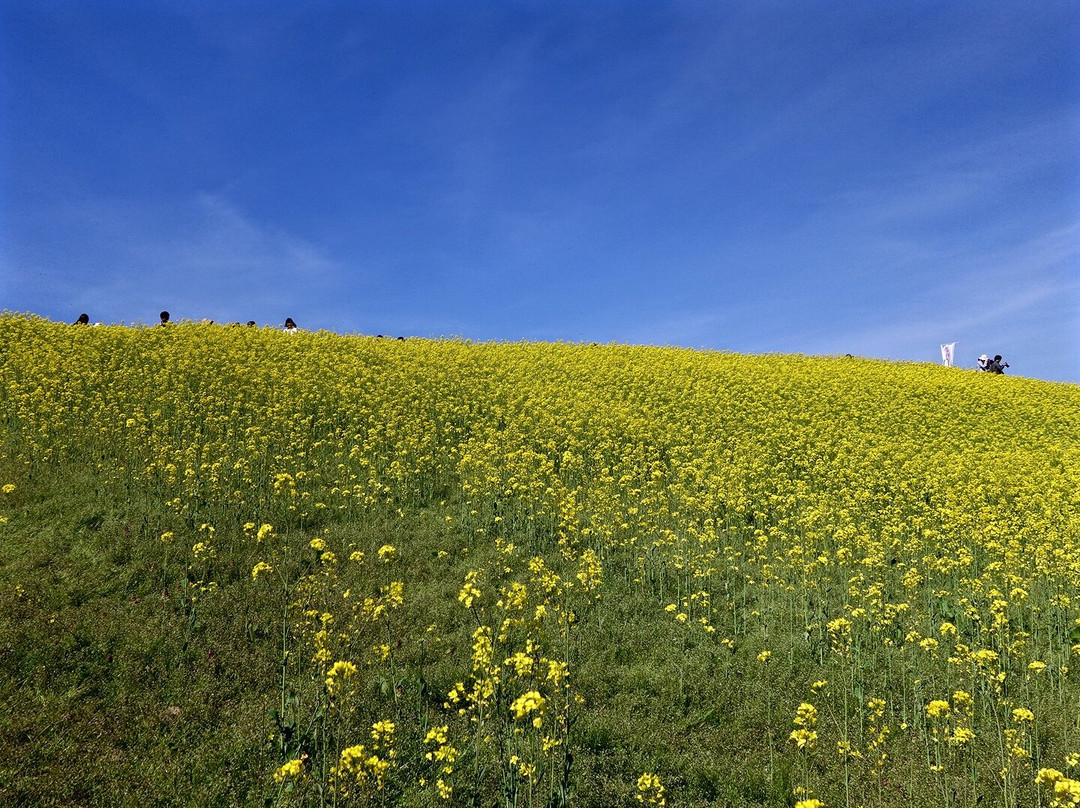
(118, 690)
(793, 492)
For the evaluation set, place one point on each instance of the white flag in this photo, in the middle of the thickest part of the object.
(947, 352)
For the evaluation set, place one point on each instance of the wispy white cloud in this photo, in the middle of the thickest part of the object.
(1023, 300)
(221, 262)
(892, 269)
(199, 257)
(837, 179)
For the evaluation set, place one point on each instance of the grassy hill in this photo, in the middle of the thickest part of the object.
(243, 568)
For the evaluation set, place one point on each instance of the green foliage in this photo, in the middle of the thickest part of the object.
(541, 574)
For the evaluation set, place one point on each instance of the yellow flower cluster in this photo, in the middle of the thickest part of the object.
(527, 703)
(805, 736)
(861, 516)
(650, 791)
(1065, 792)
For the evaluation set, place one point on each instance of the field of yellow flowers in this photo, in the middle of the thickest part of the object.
(243, 567)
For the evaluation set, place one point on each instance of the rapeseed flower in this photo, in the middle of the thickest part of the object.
(650, 791)
(526, 703)
(294, 769)
(937, 708)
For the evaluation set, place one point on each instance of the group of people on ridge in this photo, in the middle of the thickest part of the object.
(994, 365)
(290, 324)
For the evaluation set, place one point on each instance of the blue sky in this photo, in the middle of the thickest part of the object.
(872, 178)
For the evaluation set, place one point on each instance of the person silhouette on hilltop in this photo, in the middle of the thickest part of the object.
(290, 326)
(164, 318)
(996, 365)
(84, 319)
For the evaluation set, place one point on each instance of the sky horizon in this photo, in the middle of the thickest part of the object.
(757, 177)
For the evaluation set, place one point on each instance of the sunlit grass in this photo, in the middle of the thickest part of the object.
(312, 569)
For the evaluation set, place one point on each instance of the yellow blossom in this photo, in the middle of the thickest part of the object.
(526, 703)
(291, 770)
(937, 708)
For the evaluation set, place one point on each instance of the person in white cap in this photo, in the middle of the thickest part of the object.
(984, 362)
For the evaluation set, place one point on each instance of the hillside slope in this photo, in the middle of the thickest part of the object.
(244, 566)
